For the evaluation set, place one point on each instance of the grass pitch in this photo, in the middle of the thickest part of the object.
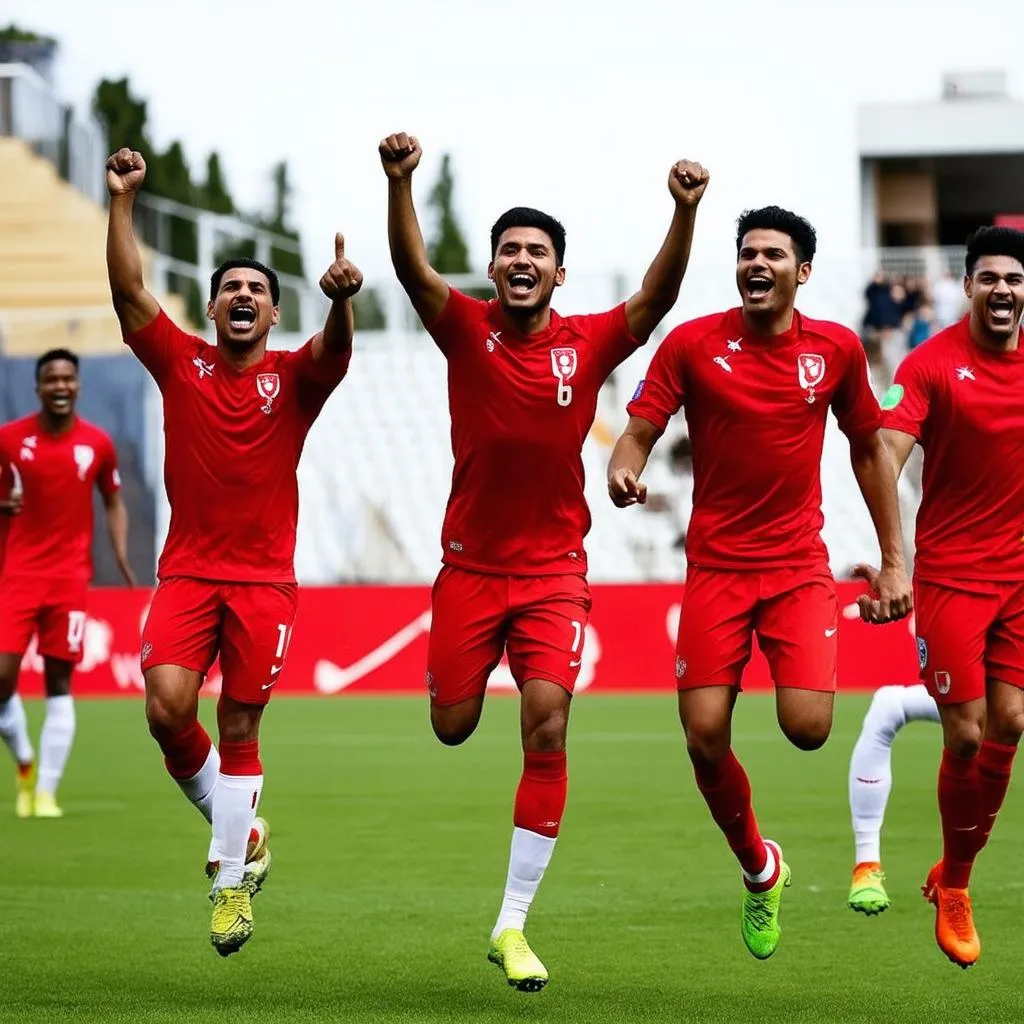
(390, 855)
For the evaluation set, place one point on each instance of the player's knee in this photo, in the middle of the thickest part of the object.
(707, 743)
(963, 736)
(886, 715)
(452, 726)
(165, 718)
(546, 736)
(1007, 727)
(807, 733)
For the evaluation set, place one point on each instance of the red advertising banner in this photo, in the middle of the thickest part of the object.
(374, 640)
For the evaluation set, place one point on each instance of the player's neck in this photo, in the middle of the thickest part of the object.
(769, 324)
(244, 358)
(986, 340)
(54, 424)
(527, 321)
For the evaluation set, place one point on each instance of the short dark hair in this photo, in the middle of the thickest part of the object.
(528, 217)
(244, 263)
(775, 218)
(53, 356)
(993, 241)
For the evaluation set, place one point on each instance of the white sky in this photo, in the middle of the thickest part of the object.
(576, 106)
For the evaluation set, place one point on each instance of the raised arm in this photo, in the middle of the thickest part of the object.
(660, 288)
(629, 457)
(341, 281)
(400, 154)
(134, 306)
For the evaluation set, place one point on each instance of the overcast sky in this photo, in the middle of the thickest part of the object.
(576, 106)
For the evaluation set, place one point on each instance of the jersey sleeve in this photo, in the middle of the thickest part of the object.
(460, 315)
(610, 336)
(108, 477)
(659, 395)
(906, 404)
(317, 378)
(854, 403)
(156, 343)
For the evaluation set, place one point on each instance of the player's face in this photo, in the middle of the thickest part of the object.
(996, 291)
(768, 273)
(243, 310)
(525, 270)
(57, 387)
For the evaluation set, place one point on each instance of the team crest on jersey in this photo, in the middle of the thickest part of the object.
(810, 371)
(268, 387)
(85, 455)
(922, 653)
(28, 448)
(680, 667)
(563, 366)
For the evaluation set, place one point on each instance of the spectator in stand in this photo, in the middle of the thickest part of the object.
(923, 324)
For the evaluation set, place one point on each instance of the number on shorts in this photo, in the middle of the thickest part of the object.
(76, 631)
(284, 634)
(577, 635)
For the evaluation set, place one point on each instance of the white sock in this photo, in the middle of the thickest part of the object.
(14, 730)
(527, 862)
(871, 764)
(768, 871)
(55, 742)
(201, 787)
(235, 800)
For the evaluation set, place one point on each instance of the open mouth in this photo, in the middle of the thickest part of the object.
(61, 402)
(242, 318)
(759, 287)
(1001, 311)
(521, 283)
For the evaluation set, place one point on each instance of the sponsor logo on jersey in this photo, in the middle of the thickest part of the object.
(639, 390)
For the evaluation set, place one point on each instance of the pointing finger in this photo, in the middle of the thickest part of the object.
(339, 246)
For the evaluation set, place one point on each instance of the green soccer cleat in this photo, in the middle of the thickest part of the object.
(867, 890)
(231, 924)
(759, 921)
(511, 952)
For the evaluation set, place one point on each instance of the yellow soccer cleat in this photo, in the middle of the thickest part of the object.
(867, 889)
(511, 952)
(26, 781)
(45, 805)
(231, 924)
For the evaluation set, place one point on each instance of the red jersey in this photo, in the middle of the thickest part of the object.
(232, 441)
(51, 538)
(965, 405)
(521, 408)
(756, 409)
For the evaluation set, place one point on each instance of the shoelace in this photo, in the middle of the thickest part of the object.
(233, 900)
(958, 913)
(759, 911)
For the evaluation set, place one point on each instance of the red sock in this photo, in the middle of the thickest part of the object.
(540, 798)
(726, 789)
(240, 758)
(995, 764)
(958, 808)
(186, 752)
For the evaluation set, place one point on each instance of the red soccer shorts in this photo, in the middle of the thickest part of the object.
(249, 625)
(53, 609)
(794, 612)
(968, 633)
(475, 616)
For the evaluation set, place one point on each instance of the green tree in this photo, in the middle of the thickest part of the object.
(448, 251)
(213, 193)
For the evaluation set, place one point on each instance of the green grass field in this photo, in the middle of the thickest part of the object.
(390, 854)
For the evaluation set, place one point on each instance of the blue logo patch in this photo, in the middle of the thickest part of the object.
(639, 391)
(922, 653)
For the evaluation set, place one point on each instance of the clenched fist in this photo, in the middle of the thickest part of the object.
(624, 489)
(400, 154)
(126, 170)
(343, 279)
(687, 181)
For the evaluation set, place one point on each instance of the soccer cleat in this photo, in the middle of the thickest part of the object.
(257, 859)
(867, 890)
(759, 921)
(45, 805)
(511, 952)
(954, 920)
(24, 802)
(231, 924)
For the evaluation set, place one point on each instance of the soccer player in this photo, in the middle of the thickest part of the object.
(522, 385)
(959, 396)
(236, 416)
(892, 707)
(756, 383)
(50, 462)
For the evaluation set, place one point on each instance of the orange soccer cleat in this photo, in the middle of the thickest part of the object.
(954, 921)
